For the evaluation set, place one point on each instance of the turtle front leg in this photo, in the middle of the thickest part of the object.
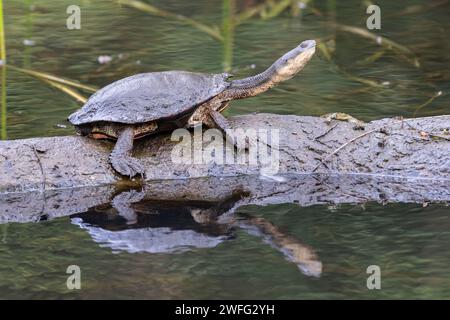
(121, 159)
(216, 120)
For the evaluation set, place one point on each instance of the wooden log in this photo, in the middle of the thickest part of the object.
(410, 148)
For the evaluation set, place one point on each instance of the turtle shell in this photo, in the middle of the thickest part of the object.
(150, 96)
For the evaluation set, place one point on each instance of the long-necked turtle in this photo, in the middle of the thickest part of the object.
(148, 103)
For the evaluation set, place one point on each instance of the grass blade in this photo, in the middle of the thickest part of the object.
(48, 76)
(142, 6)
(402, 50)
(71, 92)
(276, 9)
(430, 100)
(378, 39)
(228, 26)
(3, 132)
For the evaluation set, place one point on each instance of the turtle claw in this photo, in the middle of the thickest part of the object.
(127, 166)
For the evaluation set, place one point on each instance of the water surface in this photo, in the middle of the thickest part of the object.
(408, 242)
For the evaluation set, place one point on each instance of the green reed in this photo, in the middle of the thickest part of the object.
(228, 26)
(3, 75)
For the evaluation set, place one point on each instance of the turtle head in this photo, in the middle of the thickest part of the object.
(294, 61)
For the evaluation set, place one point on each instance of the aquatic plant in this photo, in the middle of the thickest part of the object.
(3, 74)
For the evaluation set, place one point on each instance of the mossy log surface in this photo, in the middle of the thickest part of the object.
(391, 160)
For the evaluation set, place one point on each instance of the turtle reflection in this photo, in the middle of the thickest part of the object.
(133, 224)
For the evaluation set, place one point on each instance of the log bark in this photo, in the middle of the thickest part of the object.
(319, 162)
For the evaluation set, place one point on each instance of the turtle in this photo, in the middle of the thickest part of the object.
(149, 103)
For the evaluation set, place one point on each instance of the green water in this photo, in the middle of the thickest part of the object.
(408, 242)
